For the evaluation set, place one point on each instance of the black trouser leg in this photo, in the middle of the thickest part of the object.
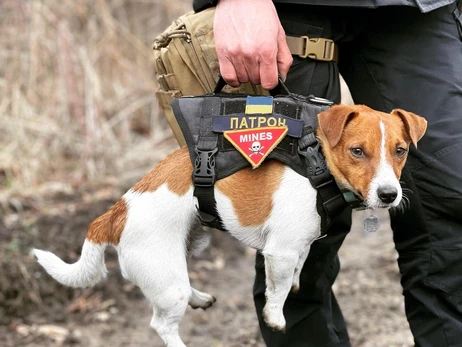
(413, 61)
(393, 58)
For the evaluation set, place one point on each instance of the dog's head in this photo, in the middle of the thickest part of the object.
(366, 149)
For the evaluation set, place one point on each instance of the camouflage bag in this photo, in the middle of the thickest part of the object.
(186, 63)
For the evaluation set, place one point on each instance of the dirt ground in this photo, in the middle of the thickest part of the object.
(36, 311)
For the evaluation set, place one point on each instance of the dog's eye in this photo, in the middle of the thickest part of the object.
(357, 152)
(401, 152)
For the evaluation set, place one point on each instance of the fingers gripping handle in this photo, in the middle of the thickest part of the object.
(280, 89)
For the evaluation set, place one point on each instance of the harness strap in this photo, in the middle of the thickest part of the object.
(204, 181)
(330, 201)
(204, 174)
(352, 199)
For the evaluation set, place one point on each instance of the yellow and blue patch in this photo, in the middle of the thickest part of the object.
(259, 104)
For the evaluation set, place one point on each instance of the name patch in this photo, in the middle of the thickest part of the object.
(239, 121)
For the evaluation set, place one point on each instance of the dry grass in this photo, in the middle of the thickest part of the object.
(77, 109)
(77, 90)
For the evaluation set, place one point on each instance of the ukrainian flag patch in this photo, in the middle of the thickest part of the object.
(259, 104)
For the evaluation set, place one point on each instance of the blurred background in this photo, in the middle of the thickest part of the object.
(79, 124)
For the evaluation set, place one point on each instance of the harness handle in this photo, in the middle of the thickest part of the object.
(280, 89)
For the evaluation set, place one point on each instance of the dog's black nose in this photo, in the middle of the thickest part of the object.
(387, 194)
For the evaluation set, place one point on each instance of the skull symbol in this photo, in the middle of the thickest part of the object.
(256, 148)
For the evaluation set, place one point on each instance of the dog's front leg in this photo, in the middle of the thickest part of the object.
(298, 269)
(279, 269)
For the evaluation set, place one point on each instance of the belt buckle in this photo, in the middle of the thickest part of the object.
(318, 49)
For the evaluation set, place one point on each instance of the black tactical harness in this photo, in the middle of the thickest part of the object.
(214, 158)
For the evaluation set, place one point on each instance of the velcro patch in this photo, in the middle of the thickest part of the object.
(256, 144)
(259, 104)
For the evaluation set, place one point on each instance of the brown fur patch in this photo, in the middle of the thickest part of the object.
(175, 171)
(251, 191)
(108, 227)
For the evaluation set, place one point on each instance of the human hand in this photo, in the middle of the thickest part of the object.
(250, 43)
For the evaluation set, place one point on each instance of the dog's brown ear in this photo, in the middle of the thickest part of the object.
(333, 121)
(415, 125)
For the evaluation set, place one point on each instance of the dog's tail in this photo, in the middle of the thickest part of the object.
(86, 272)
(90, 268)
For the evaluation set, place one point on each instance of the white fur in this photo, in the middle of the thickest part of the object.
(384, 176)
(346, 98)
(88, 271)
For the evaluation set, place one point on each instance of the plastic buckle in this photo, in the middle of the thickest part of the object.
(315, 160)
(308, 140)
(318, 49)
(204, 168)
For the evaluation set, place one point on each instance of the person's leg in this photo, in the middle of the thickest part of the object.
(405, 59)
(312, 315)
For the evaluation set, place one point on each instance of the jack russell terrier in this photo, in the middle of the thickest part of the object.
(155, 227)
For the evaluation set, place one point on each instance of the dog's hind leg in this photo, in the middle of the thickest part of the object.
(165, 284)
(169, 298)
(167, 314)
(153, 255)
(198, 239)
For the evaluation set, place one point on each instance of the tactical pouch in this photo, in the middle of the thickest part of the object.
(186, 63)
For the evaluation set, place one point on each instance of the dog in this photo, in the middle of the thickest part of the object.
(155, 227)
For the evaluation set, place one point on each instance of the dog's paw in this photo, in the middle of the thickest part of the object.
(201, 300)
(274, 319)
(295, 288)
